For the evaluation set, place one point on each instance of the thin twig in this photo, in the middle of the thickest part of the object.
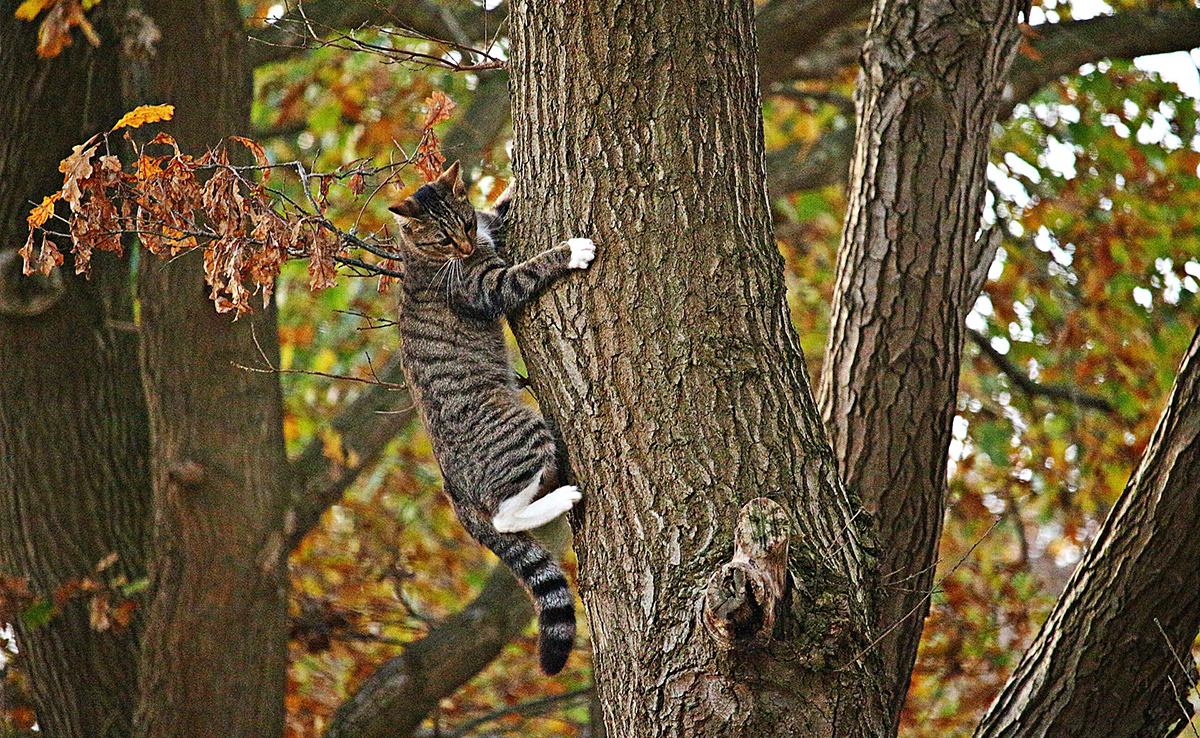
(1029, 386)
(936, 587)
(1186, 675)
(532, 707)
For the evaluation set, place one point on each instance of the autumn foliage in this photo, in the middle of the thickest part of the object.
(174, 202)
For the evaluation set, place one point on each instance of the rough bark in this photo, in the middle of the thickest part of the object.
(1114, 658)
(74, 476)
(910, 266)
(637, 123)
(214, 656)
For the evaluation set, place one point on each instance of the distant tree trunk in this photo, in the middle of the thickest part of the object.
(74, 467)
(215, 656)
(673, 370)
(1114, 658)
(910, 267)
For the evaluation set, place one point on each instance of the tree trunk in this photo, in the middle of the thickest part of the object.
(74, 476)
(1114, 658)
(910, 267)
(673, 370)
(214, 658)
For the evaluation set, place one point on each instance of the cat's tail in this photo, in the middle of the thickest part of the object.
(534, 565)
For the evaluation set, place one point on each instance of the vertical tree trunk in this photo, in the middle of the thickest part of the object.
(910, 267)
(74, 476)
(1114, 658)
(672, 368)
(214, 658)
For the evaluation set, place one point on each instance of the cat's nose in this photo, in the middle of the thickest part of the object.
(464, 246)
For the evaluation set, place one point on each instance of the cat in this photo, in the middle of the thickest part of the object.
(495, 451)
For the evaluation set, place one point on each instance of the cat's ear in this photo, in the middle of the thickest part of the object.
(408, 208)
(452, 180)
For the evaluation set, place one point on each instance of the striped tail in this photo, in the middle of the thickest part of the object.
(535, 567)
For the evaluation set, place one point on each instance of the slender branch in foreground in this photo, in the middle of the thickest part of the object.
(1061, 392)
(363, 430)
(532, 707)
(334, 23)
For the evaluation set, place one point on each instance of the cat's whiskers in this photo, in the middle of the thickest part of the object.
(454, 277)
(439, 275)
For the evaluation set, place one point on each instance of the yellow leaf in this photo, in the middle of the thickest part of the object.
(30, 9)
(145, 114)
(41, 213)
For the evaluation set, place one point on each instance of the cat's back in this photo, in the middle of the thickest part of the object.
(450, 357)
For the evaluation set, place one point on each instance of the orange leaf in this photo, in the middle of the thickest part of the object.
(77, 166)
(145, 114)
(23, 717)
(41, 213)
(260, 156)
(438, 107)
(165, 138)
(30, 9)
(55, 32)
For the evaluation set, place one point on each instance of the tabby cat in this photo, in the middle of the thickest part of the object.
(495, 452)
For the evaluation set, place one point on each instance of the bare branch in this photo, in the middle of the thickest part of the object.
(289, 35)
(1054, 51)
(1062, 48)
(364, 428)
(1061, 392)
(532, 707)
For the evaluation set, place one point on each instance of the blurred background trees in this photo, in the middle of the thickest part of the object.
(1070, 353)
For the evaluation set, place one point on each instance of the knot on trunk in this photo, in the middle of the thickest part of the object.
(741, 597)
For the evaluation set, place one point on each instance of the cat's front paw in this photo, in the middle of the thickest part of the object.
(583, 250)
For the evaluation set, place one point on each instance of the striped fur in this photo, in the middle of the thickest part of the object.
(491, 446)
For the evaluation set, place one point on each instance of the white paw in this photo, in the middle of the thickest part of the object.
(583, 250)
(554, 504)
(566, 496)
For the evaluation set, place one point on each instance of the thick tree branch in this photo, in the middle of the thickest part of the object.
(1027, 385)
(908, 273)
(1056, 50)
(364, 429)
(788, 29)
(1062, 48)
(404, 690)
(1113, 659)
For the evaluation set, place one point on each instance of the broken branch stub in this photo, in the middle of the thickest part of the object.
(741, 597)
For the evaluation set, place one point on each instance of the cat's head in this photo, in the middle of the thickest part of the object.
(437, 221)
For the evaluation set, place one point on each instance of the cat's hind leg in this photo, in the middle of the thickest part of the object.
(519, 512)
